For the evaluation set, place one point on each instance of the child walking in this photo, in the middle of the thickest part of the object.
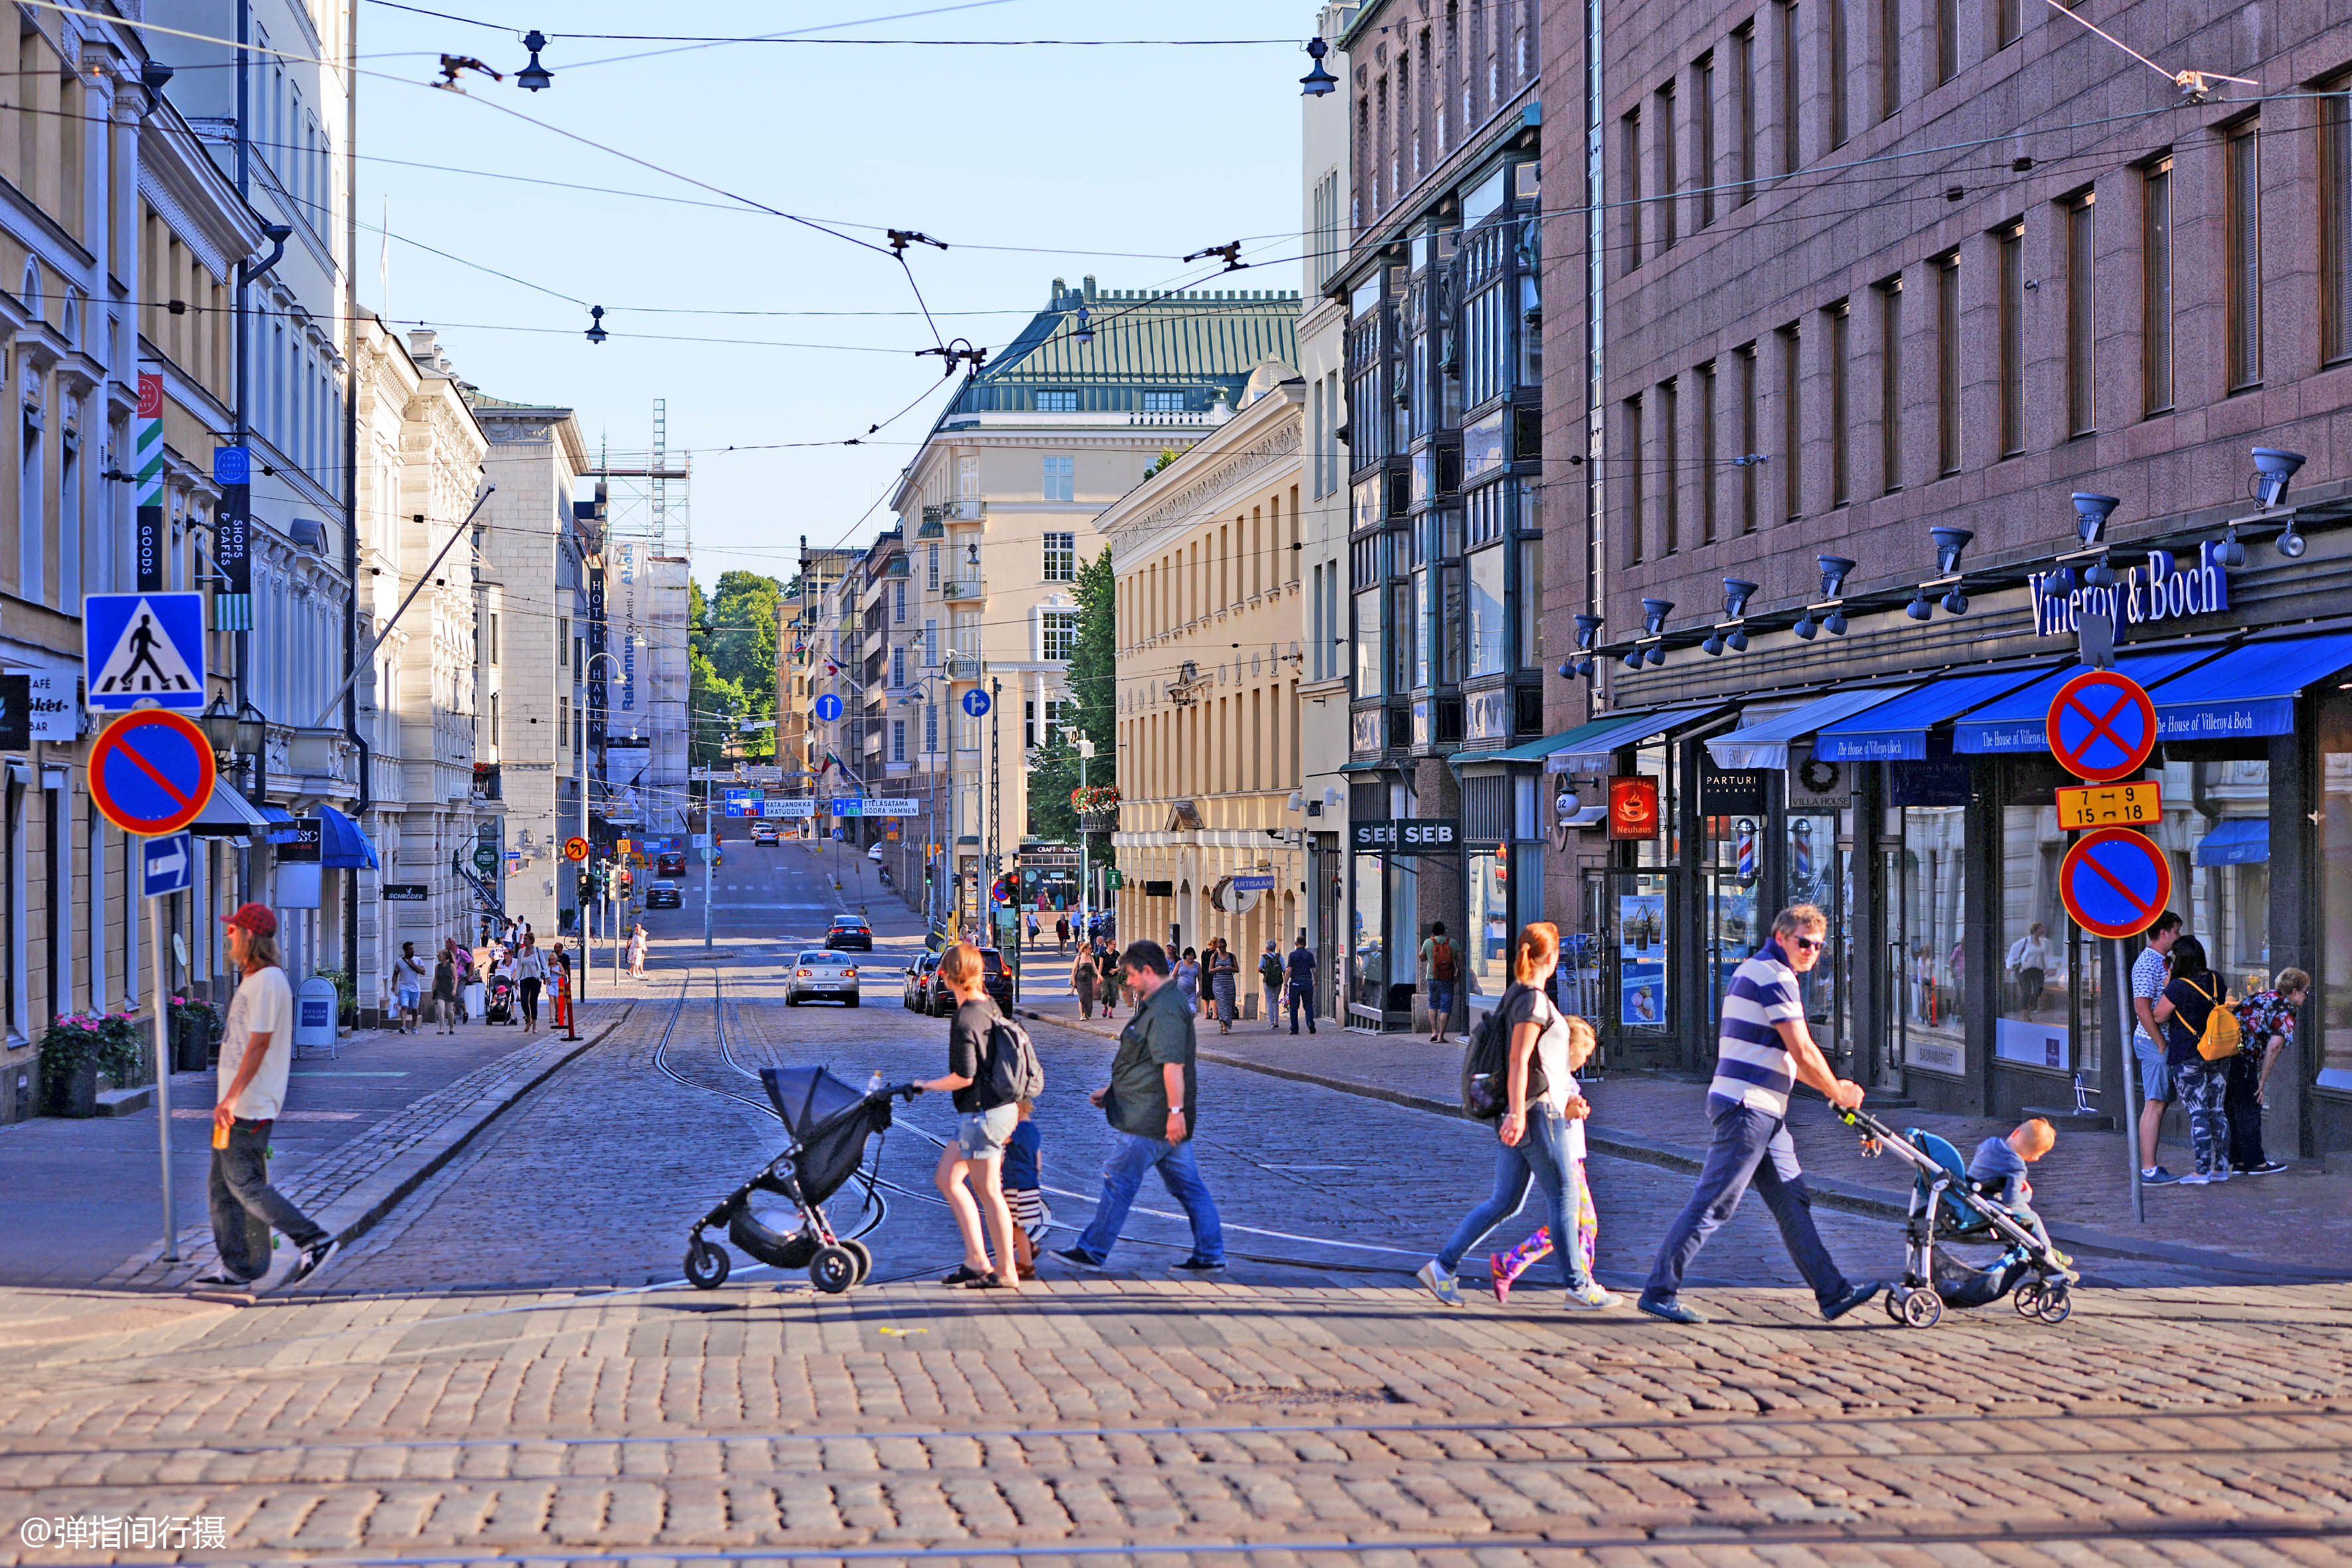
(1507, 1266)
(1024, 1157)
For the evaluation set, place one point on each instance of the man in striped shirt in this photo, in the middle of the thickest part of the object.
(1763, 1049)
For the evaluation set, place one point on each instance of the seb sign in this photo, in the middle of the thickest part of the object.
(2161, 590)
(1405, 836)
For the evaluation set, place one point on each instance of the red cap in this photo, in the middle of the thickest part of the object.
(255, 918)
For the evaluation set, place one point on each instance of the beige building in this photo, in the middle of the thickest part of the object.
(1210, 615)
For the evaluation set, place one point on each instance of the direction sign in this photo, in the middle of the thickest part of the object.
(151, 773)
(575, 849)
(2115, 881)
(975, 702)
(166, 866)
(828, 707)
(139, 649)
(2101, 726)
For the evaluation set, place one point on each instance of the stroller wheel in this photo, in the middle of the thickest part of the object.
(833, 1270)
(1894, 1300)
(2057, 1304)
(2027, 1299)
(1922, 1308)
(858, 1250)
(706, 1266)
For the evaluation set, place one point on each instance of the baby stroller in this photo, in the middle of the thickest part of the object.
(1945, 1206)
(829, 1123)
(498, 1006)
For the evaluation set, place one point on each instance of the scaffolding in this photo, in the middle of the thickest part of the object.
(649, 550)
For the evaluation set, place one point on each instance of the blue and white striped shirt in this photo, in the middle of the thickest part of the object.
(1751, 1063)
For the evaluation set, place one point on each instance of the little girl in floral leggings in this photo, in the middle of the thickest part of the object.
(1507, 1266)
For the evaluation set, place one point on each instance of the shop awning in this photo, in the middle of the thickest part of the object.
(227, 816)
(2236, 841)
(2018, 722)
(1365, 765)
(1896, 731)
(1538, 751)
(343, 843)
(1765, 744)
(2249, 691)
(1591, 748)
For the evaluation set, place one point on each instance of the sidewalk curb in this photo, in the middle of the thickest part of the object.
(1829, 1191)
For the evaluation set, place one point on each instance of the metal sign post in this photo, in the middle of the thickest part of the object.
(2129, 1122)
(167, 867)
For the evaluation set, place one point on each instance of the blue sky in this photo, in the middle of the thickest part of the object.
(1083, 153)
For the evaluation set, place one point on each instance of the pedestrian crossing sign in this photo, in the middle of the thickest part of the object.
(144, 650)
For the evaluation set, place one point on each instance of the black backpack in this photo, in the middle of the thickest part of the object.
(1487, 1065)
(1011, 1072)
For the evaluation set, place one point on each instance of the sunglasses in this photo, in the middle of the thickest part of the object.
(1812, 943)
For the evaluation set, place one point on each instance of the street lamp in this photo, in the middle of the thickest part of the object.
(1317, 82)
(238, 732)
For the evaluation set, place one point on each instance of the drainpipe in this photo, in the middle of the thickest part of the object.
(366, 802)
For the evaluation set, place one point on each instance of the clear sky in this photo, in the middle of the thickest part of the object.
(1083, 153)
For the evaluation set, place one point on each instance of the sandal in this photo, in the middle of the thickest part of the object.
(985, 1282)
(964, 1274)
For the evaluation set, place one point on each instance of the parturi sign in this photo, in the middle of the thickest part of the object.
(2160, 590)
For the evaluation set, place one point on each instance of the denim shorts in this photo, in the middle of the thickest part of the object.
(1440, 998)
(980, 1134)
(2155, 1077)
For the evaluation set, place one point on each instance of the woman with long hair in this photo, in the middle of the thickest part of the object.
(2198, 1086)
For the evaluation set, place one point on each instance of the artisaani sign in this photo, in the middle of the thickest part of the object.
(2161, 590)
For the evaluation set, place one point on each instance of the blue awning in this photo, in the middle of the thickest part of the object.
(2020, 721)
(1591, 750)
(2236, 841)
(1765, 744)
(343, 843)
(2249, 691)
(1896, 731)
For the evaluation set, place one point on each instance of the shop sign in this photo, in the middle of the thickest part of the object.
(1817, 784)
(296, 841)
(1159, 890)
(1728, 792)
(2160, 590)
(407, 893)
(1936, 781)
(1641, 960)
(1634, 806)
(1406, 836)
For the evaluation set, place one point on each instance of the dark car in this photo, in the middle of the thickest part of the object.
(662, 896)
(850, 931)
(999, 979)
(670, 866)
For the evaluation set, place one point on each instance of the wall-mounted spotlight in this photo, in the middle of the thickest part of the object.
(1834, 623)
(1921, 608)
(1712, 646)
(1737, 592)
(2091, 514)
(1657, 653)
(1956, 603)
(2230, 554)
(1654, 615)
(1807, 627)
(1634, 659)
(1588, 632)
(1949, 542)
(2272, 468)
(1835, 571)
(2289, 544)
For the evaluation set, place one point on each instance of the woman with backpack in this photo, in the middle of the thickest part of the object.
(971, 1165)
(2185, 1012)
(1523, 1044)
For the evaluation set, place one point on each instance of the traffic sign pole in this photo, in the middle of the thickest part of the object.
(2129, 1121)
(162, 1075)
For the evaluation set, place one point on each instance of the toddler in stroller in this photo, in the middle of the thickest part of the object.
(829, 1123)
(1948, 1205)
(499, 1005)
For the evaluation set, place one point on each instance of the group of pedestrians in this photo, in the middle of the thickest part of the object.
(1096, 978)
(446, 989)
(2175, 995)
(1208, 981)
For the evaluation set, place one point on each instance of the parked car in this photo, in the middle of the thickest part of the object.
(873, 853)
(916, 996)
(662, 896)
(670, 864)
(821, 976)
(850, 931)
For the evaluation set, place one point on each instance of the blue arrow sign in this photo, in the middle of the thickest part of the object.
(144, 649)
(975, 702)
(166, 866)
(828, 707)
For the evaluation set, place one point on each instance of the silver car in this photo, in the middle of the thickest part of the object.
(820, 974)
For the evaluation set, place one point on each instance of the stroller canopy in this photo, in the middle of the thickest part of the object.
(805, 1097)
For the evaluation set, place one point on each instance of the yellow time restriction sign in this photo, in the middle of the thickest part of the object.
(2111, 805)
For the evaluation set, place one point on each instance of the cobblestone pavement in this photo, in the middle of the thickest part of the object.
(507, 1368)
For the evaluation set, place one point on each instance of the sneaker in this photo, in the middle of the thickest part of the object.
(223, 1282)
(1593, 1299)
(1854, 1297)
(2198, 1179)
(1201, 1266)
(2267, 1168)
(1079, 1257)
(1500, 1277)
(309, 1259)
(1442, 1285)
(2157, 1176)
(1671, 1310)
(2221, 1175)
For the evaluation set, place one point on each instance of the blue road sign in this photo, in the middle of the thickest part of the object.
(975, 702)
(2115, 881)
(140, 649)
(828, 707)
(151, 773)
(232, 465)
(166, 866)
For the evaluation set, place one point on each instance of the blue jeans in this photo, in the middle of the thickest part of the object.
(1751, 1145)
(1123, 1173)
(1540, 1155)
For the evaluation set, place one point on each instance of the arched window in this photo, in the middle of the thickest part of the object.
(73, 320)
(32, 290)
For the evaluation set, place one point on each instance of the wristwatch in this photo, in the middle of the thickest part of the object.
(1175, 1110)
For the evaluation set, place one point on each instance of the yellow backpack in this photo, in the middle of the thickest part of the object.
(2220, 1041)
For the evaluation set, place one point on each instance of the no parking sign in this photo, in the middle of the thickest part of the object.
(2115, 881)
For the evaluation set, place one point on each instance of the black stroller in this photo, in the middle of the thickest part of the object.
(1945, 1206)
(829, 1123)
(499, 1000)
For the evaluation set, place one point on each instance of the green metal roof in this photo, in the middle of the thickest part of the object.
(1194, 342)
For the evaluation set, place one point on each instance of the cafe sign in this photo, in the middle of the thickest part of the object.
(2163, 589)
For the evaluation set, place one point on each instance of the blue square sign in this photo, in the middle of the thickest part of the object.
(144, 649)
(166, 865)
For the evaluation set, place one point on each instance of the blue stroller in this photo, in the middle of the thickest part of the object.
(1945, 1206)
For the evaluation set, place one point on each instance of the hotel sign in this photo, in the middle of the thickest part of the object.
(2162, 589)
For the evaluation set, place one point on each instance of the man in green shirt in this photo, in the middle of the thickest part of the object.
(1151, 1104)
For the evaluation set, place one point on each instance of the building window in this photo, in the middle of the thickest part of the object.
(931, 566)
(898, 664)
(1164, 403)
(2080, 319)
(2011, 241)
(1743, 361)
(1060, 715)
(1632, 137)
(1057, 402)
(1061, 558)
(2241, 195)
(1890, 385)
(1837, 69)
(1669, 176)
(1703, 77)
(1743, 109)
(1947, 364)
(2155, 288)
(930, 728)
(1841, 442)
(1948, 40)
(2335, 221)
(1061, 478)
(897, 739)
(1890, 57)
(1633, 497)
(1670, 465)
(1791, 147)
(1792, 489)
(494, 719)
(562, 639)
(1707, 450)
(930, 643)
(563, 720)
(898, 602)
(1029, 724)
(1061, 633)
(2010, 19)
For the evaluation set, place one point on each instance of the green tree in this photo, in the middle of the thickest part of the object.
(732, 656)
(1093, 692)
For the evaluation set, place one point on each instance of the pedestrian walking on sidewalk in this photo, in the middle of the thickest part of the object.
(1269, 973)
(531, 976)
(637, 953)
(445, 989)
(1082, 981)
(1062, 935)
(1153, 1106)
(257, 1050)
(1533, 1143)
(970, 1170)
(1441, 965)
(1224, 972)
(2267, 1020)
(1188, 981)
(409, 979)
(1762, 1049)
(1302, 985)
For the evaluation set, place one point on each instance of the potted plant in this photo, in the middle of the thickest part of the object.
(195, 1026)
(1098, 808)
(347, 995)
(82, 1055)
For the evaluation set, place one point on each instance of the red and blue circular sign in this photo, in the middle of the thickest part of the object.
(2115, 881)
(2101, 726)
(151, 772)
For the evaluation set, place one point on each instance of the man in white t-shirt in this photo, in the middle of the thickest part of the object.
(257, 1049)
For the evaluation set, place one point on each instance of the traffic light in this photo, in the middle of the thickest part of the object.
(625, 882)
(596, 882)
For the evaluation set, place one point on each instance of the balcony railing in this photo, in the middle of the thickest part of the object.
(959, 589)
(965, 511)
